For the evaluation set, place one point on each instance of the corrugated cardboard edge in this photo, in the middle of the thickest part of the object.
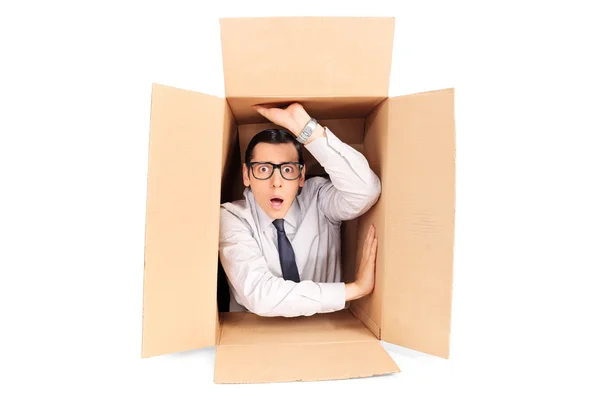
(364, 318)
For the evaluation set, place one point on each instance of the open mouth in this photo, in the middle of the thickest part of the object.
(276, 202)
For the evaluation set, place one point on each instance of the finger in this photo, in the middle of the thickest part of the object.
(373, 252)
(261, 110)
(275, 115)
(367, 244)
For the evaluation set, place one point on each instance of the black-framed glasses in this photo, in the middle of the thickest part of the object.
(264, 170)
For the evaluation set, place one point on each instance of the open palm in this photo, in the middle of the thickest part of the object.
(366, 271)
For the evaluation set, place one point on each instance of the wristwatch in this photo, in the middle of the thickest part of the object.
(307, 131)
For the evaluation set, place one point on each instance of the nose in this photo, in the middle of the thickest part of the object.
(276, 179)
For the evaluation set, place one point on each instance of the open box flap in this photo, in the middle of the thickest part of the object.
(254, 349)
(307, 56)
(420, 222)
(182, 221)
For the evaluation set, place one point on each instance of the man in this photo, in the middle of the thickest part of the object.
(280, 246)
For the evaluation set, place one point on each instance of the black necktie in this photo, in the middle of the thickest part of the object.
(286, 253)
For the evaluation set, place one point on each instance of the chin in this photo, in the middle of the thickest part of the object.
(277, 214)
(274, 212)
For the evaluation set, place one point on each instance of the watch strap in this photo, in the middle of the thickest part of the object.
(307, 131)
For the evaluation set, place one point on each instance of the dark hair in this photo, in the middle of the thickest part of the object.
(273, 136)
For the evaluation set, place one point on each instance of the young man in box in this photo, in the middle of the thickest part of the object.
(280, 246)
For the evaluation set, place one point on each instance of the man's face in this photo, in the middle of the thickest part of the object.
(274, 195)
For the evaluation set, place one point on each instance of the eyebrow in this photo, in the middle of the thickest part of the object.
(271, 162)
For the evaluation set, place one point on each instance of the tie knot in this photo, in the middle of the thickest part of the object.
(278, 225)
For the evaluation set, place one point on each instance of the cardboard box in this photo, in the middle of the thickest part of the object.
(338, 69)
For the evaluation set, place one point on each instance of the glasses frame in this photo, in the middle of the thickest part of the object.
(276, 166)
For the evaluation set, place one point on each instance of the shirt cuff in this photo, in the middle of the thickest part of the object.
(321, 147)
(333, 296)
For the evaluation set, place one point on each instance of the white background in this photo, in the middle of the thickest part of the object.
(74, 112)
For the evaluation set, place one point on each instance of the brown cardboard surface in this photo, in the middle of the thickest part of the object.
(376, 149)
(365, 318)
(230, 141)
(307, 56)
(420, 222)
(331, 107)
(336, 345)
(240, 328)
(184, 170)
(230, 163)
(301, 362)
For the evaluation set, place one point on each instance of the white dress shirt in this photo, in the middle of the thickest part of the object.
(248, 239)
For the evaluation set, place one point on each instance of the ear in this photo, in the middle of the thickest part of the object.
(302, 178)
(245, 175)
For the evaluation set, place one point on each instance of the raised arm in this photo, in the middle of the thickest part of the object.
(353, 187)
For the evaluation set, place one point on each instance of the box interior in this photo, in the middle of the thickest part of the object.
(354, 126)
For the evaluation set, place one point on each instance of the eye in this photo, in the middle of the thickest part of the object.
(263, 168)
(288, 169)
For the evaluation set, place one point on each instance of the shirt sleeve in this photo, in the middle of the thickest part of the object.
(353, 187)
(261, 292)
